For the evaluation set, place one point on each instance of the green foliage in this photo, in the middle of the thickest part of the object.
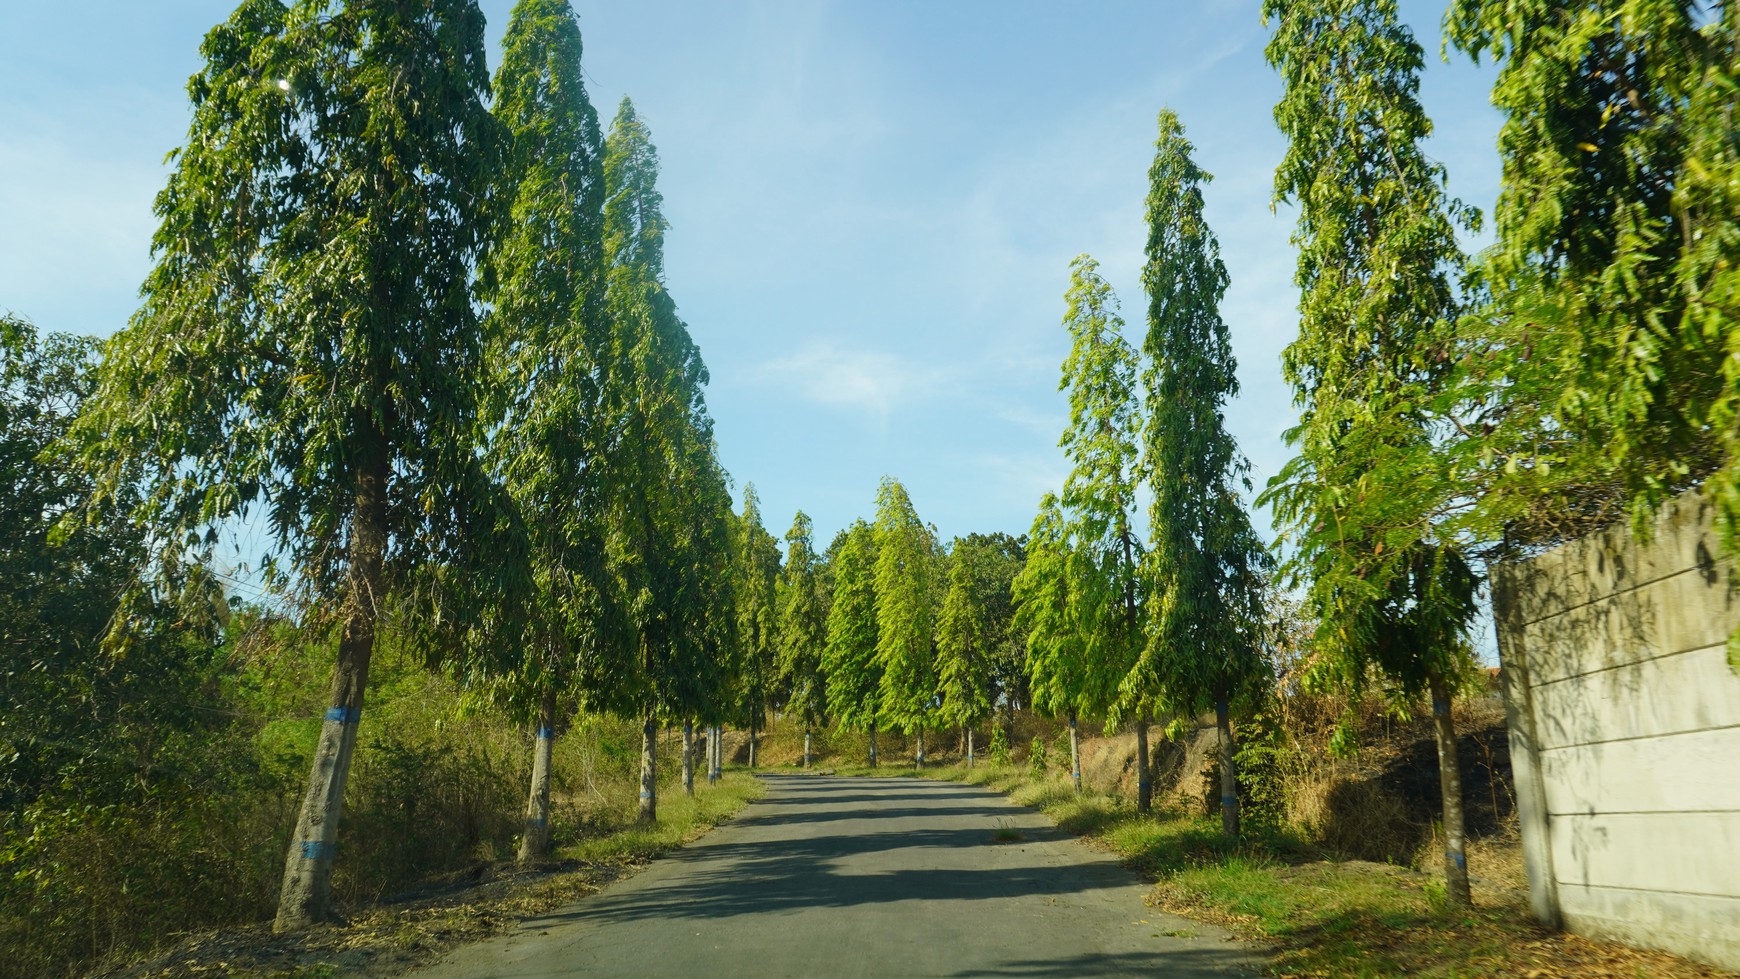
(307, 327)
(1260, 763)
(990, 563)
(548, 351)
(999, 749)
(803, 627)
(1079, 597)
(1362, 502)
(1045, 609)
(78, 720)
(1598, 374)
(906, 558)
(669, 539)
(1205, 563)
(111, 863)
(1037, 762)
(849, 660)
(756, 571)
(962, 652)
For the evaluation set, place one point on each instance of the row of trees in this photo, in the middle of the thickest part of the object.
(1126, 624)
(1459, 409)
(1453, 410)
(886, 629)
(415, 323)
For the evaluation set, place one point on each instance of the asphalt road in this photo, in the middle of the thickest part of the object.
(866, 877)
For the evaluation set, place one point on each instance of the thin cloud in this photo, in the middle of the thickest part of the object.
(870, 382)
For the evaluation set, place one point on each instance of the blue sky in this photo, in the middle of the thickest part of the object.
(873, 208)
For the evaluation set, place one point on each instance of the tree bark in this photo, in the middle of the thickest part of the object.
(689, 757)
(1144, 770)
(649, 788)
(712, 753)
(872, 744)
(1450, 782)
(1074, 753)
(752, 739)
(305, 896)
(1229, 785)
(806, 747)
(535, 844)
(969, 747)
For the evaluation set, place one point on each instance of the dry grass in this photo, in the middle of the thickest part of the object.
(391, 938)
(1354, 817)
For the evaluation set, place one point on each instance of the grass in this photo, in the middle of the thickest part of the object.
(1319, 916)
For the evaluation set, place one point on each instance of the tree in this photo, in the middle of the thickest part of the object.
(548, 346)
(1092, 543)
(757, 572)
(1598, 376)
(669, 532)
(97, 676)
(307, 341)
(1204, 562)
(1047, 609)
(992, 561)
(803, 631)
(905, 617)
(854, 671)
(1362, 502)
(963, 655)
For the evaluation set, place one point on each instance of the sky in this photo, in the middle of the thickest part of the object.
(873, 207)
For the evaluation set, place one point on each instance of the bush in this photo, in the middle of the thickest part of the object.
(999, 750)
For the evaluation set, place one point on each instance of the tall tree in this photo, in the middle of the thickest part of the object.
(307, 341)
(854, 671)
(1600, 370)
(756, 573)
(1063, 680)
(803, 631)
(1362, 502)
(906, 554)
(1205, 564)
(668, 536)
(84, 706)
(548, 348)
(1101, 553)
(992, 561)
(963, 654)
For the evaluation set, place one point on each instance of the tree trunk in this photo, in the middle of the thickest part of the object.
(1450, 782)
(535, 844)
(689, 757)
(806, 747)
(1074, 753)
(1144, 770)
(649, 787)
(752, 739)
(306, 894)
(712, 753)
(872, 744)
(1009, 720)
(969, 748)
(919, 757)
(1229, 784)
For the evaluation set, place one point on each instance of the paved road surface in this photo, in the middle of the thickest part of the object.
(865, 877)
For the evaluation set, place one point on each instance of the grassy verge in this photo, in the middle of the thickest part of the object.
(398, 935)
(1320, 916)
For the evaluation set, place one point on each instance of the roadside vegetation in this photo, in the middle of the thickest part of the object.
(1317, 911)
(408, 333)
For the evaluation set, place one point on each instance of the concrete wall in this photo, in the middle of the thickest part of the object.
(1625, 733)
